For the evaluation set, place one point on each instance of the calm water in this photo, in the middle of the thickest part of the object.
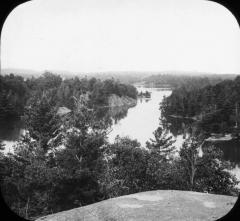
(142, 119)
(10, 132)
(138, 122)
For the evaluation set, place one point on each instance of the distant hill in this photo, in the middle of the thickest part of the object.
(123, 76)
(192, 74)
(22, 72)
(188, 79)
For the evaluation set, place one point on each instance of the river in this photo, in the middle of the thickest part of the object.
(142, 119)
(139, 123)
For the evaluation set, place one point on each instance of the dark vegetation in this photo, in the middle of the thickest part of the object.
(125, 77)
(145, 94)
(179, 80)
(66, 162)
(13, 95)
(214, 107)
(17, 93)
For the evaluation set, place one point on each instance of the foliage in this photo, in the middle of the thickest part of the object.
(16, 93)
(66, 162)
(98, 91)
(160, 171)
(41, 119)
(207, 172)
(215, 106)
(162, 144)
(183, 80)
(103, 90)
(126, 167)
(39, 181)
(28, 180)
(2, 165)
(81, 161)
(13, 95)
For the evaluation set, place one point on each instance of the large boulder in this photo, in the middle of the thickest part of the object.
(153, 205)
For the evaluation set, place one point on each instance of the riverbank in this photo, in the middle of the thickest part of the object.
(220, 137)
(116, 101)
(181, 117)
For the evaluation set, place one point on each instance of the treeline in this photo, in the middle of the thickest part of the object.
(16, 93)
(13, 96)
(179, 80)
(64, 163)
(215, 107)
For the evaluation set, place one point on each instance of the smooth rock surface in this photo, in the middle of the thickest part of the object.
(152, 205)
(116, 101)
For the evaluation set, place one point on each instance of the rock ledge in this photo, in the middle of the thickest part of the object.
(152, 205)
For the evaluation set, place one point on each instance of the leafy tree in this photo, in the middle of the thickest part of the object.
(29, 180)
(37, 182)
(80, 161)
(206, 172)
(190, 160)
(48, 81)
(213, 173)
(126, 167)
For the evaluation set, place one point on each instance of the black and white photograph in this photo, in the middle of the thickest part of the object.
(120, 110)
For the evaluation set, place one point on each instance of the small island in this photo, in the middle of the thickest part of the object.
(145, 94)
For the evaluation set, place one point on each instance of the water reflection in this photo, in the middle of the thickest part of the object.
(137, 122)
(111, 115)
(177, 126)
(10, 130)
(141, 120)
(231, 150)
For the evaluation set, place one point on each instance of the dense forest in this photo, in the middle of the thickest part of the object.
(214, 107)
(13, 96)
(188, 81)
(63, 162)
(16, 94)
(125, 77)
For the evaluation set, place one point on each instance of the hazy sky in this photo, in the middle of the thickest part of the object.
(121, 35)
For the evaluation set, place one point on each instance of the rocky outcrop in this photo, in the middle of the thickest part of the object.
(152, 205)
(62, 111)
(116, 101)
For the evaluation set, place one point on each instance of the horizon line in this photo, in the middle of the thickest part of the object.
(193, 72)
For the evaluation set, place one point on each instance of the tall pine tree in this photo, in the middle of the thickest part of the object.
(162, 143)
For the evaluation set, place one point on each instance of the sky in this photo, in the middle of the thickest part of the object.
(121, 35)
